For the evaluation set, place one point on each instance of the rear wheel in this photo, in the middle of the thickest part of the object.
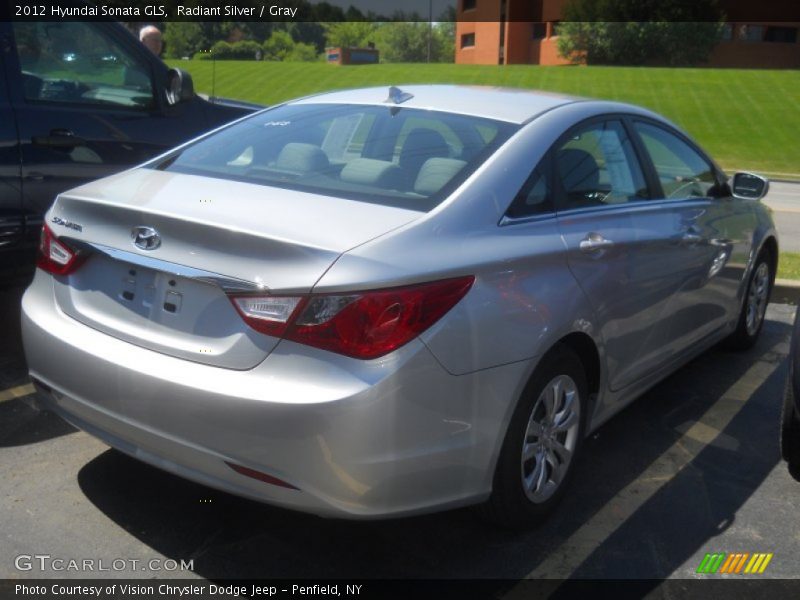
(751, 319)
(542, 442)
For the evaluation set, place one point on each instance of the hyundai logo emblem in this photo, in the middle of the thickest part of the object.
(145, 238)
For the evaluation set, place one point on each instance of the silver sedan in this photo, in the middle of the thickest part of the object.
(381, 302)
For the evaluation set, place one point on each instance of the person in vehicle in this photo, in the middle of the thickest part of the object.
(150, 36)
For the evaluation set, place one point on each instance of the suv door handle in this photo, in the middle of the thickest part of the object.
(594, 243)
(691, 239)
(691, 236)
(58, 138)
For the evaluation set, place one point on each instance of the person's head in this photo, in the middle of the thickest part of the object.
(150, 36)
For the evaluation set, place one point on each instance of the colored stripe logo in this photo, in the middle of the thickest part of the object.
(735, 563)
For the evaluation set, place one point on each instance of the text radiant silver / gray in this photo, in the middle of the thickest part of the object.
(359, 305)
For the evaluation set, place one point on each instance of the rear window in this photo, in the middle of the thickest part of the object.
(388, 155)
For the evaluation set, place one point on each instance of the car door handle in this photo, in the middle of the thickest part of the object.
(58, 138)
(594, 243)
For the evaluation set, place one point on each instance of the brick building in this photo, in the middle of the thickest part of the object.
(491, 32)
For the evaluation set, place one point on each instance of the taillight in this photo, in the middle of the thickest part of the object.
(363, 325)
(266, 314)
(55, 256)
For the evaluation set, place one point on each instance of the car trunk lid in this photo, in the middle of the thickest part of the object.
(216, 236)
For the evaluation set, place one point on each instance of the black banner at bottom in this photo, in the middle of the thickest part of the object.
(441, 589)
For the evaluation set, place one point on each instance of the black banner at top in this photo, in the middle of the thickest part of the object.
(776, 11)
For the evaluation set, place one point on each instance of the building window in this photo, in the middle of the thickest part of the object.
(754, 33)
(468, 4)
(539, 31)
(787, 35)
(468, 40)
(554, 28)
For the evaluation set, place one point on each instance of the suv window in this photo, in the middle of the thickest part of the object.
(682, 171)
(597, 165)
(76, 62)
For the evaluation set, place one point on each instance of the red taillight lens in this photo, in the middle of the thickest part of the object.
(55, 256)
(363, 325)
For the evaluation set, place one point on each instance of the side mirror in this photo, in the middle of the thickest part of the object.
(179, 86)
(748, 186)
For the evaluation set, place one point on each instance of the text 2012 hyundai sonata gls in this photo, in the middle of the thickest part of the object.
(387, 301)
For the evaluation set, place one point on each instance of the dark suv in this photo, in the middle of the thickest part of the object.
(79, 101)
(790, 417)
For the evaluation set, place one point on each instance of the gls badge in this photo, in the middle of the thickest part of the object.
(145, 238)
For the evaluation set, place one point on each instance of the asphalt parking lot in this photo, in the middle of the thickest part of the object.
(691, 468)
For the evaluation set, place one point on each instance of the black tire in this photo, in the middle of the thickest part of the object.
(745, 335)
(790, 432)
(509, 505)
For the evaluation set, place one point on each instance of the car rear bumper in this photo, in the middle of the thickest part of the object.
(359, 439)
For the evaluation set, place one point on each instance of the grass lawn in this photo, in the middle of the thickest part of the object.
(747, 119)
(789, 266)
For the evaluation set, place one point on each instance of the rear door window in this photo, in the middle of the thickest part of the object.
(596, 165)
(535, 197)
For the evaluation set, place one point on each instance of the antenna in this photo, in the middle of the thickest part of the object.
(398, 96)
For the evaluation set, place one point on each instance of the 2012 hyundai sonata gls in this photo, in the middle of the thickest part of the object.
(388, 301)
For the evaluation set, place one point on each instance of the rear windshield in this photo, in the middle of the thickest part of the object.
(388, 155)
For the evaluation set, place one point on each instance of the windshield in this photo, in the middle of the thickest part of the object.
(389, 155)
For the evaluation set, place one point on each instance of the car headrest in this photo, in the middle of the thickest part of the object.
(302, 158)
(420, 145)
(578, 170)
(368, 171)
(436, 173)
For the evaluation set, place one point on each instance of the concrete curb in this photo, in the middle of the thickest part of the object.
(786, 291)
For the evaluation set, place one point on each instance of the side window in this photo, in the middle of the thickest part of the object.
(683, 172)
(534, 198)
(75, 62)
(597, 165)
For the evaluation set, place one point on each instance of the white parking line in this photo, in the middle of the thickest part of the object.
(16, 392)
(572, 552)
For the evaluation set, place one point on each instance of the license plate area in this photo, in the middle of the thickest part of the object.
(161, 311)
(152, 290)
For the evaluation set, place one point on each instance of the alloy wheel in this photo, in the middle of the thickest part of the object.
(550, 438)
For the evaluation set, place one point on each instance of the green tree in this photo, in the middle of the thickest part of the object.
(349, 34)
(241, 50)
(302, 53)
(446, 32)
(278, 46)
(184, 38)
(408, 42)
(636, 32)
